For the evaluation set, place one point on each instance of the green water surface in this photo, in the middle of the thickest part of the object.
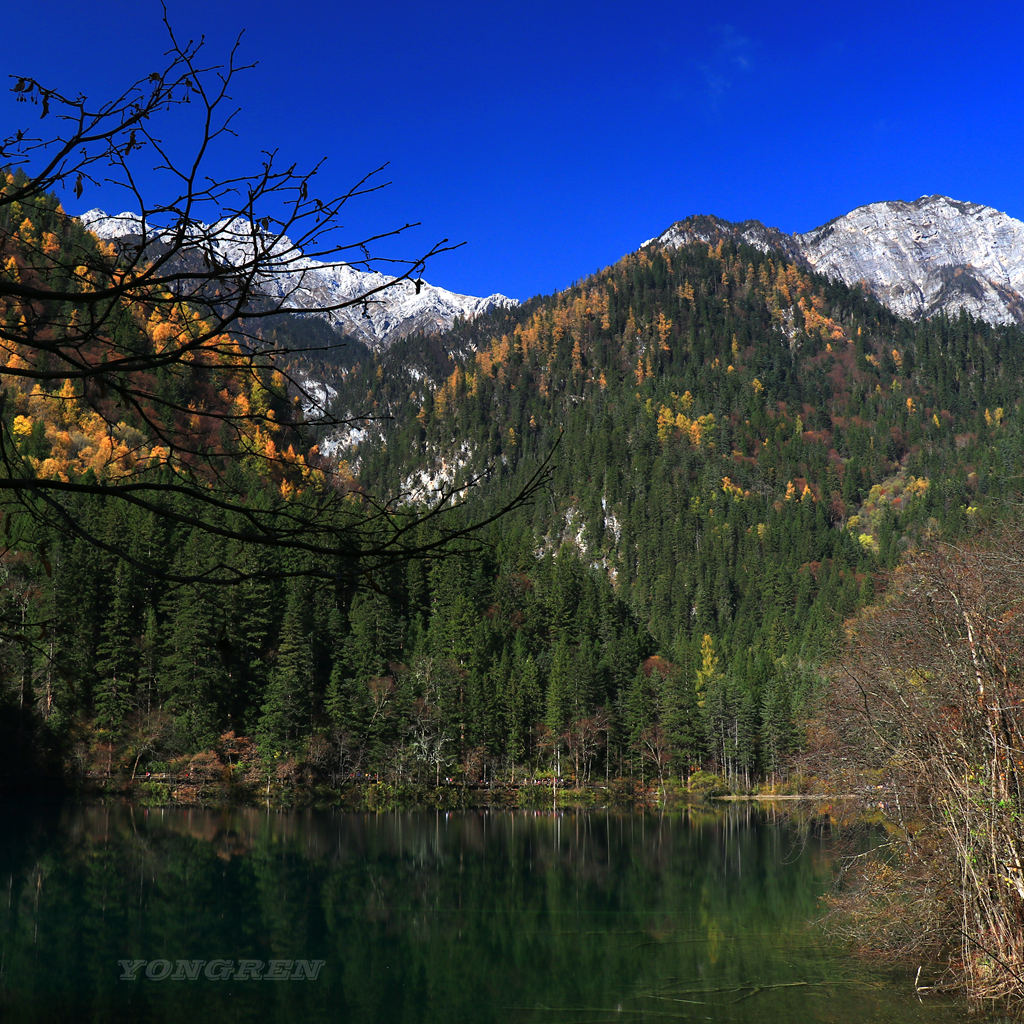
(424, 917)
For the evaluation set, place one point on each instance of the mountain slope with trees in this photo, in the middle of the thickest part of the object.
(740, 448)
(743, 447)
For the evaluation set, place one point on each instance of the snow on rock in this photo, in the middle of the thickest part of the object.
(343, 440)
(711, 229)
(438, 475)
(316, 397)
(932, 255)
(390, 310)
(118, 225)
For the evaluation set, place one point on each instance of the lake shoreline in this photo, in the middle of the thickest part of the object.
(373, 794)
(777, 797)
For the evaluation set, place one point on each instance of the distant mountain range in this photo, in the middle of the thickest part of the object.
(393, 313)
(932, 255)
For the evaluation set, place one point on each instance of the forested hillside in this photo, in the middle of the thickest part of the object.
(184, 573)
(742, 447)
(737, 448)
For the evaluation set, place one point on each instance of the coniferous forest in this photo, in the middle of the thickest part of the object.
(703, 523)
(737, 451)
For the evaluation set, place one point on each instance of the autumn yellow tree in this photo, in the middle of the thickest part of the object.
(148, 333)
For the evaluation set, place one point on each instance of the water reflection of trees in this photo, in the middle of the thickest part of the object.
(412, 912)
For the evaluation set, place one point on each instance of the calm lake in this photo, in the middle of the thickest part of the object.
(121, 914)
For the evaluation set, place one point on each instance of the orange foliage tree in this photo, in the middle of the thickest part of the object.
(143, 367)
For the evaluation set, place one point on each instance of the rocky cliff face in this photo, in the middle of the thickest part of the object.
(394, 312)
(931, 255)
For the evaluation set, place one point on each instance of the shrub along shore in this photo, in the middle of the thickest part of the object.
(211, 779)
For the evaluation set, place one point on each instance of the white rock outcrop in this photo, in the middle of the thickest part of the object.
(393, 308)
(927, 256)
(931, 255)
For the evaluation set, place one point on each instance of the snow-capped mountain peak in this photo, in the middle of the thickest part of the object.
(932, 254)
(929, 255)
(113, 226)
(393, 308)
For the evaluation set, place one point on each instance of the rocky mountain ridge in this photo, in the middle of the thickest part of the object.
(927, 256)
(931, 255)
(393, 311)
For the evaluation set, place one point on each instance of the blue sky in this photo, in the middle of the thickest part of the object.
(554, 137)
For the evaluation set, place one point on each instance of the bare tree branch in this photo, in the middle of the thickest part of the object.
(159, 335)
